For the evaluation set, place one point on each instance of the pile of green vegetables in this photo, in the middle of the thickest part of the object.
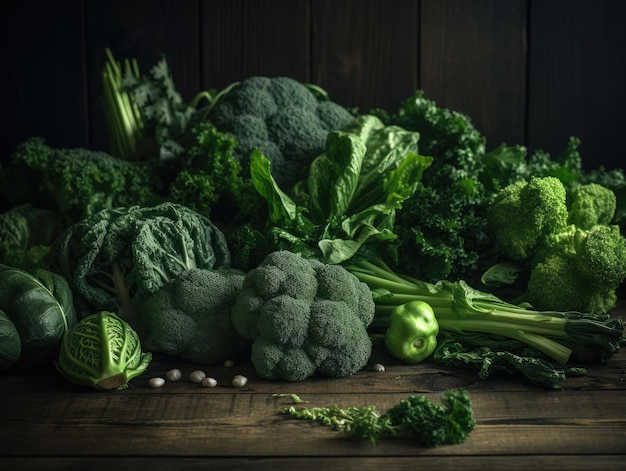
(268, 221)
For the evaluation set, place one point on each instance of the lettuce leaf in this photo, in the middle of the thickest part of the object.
(348, 202)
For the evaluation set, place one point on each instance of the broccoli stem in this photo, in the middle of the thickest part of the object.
(459, 308)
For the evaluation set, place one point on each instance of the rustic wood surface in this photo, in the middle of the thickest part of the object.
(47, 423)
(526, 72)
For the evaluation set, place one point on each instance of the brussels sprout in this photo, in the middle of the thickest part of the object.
(102, 351)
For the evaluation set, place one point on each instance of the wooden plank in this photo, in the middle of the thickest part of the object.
(142, 29)
(473, 60)
(305, 463)
(241, 39)
(202, 424)
(365, 51)
(576, 77)
(42, 74)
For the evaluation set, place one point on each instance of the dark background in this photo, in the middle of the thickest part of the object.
(532, 72)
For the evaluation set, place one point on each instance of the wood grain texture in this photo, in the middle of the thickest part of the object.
(44, 416)
(43, 88)
(242, 38)
(526, 72)
(143, 30)
(365, 51)
(473, 60)
(370, 463)
(577, 70)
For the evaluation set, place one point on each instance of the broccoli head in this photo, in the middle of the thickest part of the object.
(578, 270)
(555, 284)
(591, 204)
(575, 257)
(281, 117)
(189, 316)
(525, 213)
(304, 317)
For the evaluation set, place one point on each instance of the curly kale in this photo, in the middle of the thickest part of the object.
(442, 227)
(75, 182)
(428, 423)
(212, 181)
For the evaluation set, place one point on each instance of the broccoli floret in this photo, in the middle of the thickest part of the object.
(75, 182)
(282, 118)
(591, 204)
(576, 266)
(555, 284)
(526, 213)
(189, 316)
(304, 317)
(601, 256)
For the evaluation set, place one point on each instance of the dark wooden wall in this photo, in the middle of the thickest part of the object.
(530, 72)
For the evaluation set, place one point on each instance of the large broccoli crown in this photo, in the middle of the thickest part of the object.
(282, 118)
(575, 256)
(591, 204)
(190, 316)
(526, 213)
(303, 317)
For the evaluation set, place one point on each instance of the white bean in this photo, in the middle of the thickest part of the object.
(239, 381)
(209, 382)
(156, 382)
(197, 376)
(378, 367)
(174, 374)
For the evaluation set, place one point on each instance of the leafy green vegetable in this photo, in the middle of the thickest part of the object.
(430, 424)
(10, 342)
(349, 200)
(115, 257)
(189, 316)
(146, 117)
(560, 336)
(303, 317)
(490, 355)
(26, 233)
(102, 351)
(75, 182)
(40, 308)
(441, 227)
(212, 181)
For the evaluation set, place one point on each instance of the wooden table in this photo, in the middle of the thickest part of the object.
(47, 423)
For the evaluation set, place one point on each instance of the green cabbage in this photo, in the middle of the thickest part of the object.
(102, 351)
